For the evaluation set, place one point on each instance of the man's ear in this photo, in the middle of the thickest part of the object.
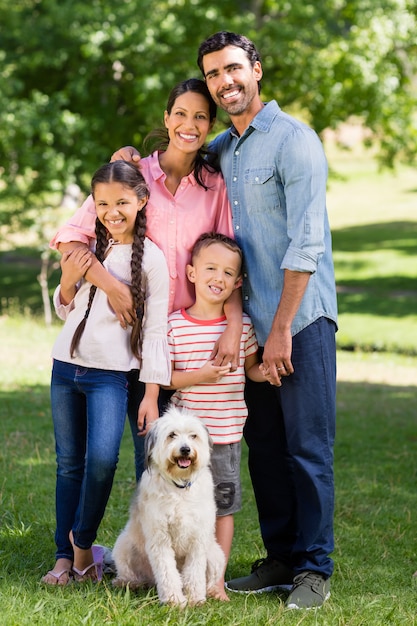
(190, 273)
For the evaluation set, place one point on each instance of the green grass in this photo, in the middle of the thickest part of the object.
(375, 520)
(373, 217)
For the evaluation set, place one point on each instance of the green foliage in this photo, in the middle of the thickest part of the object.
(77, 80)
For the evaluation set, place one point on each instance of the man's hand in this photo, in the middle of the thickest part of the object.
(276, 359)
(127, 153)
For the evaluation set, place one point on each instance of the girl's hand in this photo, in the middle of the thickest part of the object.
(74, 264)
(147, 414)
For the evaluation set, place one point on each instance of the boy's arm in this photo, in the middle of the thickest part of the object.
(252, 369)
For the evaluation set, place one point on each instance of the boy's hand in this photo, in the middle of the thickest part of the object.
(211, 373)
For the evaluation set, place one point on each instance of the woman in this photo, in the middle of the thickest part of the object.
(187, 198)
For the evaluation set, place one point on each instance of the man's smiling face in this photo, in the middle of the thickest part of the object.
(231, 79)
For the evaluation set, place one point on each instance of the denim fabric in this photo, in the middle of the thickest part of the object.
(290, 434)
(276, 182)
(89, 411)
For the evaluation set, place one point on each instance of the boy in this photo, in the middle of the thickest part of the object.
(214, 393)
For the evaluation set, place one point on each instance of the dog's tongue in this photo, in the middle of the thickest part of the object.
(184, 462)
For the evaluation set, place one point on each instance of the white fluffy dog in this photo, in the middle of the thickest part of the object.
(169, 539)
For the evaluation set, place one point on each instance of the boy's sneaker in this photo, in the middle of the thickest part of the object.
(266, 575)
(310, 590)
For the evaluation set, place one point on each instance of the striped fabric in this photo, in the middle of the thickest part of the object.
(220, 405)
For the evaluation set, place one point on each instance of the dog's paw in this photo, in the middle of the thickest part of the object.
(196, 601)
(178, 600)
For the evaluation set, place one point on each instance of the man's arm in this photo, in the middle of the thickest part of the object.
(278, 347)
(227, 348)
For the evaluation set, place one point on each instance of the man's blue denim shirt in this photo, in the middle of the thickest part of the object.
(276, 175)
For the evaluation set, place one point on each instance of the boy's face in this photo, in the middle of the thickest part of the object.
(215, 273)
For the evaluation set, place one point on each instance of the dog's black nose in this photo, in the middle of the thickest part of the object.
(185, 450)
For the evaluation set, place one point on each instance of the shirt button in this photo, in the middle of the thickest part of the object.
(235, 202)
(257, 178)
(237, 227)
(234, 179)
(237, 153)
(246, 297)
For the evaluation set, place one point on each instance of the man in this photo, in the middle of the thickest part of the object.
(276, 172)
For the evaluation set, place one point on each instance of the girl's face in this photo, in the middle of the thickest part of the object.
(189, 123)
(117, 207)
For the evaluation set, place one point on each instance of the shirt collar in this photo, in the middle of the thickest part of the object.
(157, 173)
(262, 120)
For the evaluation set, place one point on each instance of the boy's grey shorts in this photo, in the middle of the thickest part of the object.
(225, 467)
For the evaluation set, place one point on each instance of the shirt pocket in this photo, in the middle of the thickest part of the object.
(261, 192)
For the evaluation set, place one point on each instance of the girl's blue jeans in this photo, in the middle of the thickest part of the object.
(88, 411)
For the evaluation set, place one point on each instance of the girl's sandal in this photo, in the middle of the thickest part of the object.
(81, 575)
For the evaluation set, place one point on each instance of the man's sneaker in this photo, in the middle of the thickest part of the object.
(266, 575)
(310, 590)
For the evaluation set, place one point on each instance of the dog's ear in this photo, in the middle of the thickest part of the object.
(150, 441)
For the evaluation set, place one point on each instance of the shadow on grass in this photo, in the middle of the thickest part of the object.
(398, 236)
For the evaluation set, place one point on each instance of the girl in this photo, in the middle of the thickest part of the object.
(94, 359)
(188, 198)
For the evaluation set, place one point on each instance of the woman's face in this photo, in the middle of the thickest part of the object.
(189, 123)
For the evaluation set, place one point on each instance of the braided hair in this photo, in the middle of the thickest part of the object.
(129, 176)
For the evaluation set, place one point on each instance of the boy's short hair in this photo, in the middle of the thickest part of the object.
(207, 239)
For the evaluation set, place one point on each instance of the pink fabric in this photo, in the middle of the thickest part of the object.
(173, 222)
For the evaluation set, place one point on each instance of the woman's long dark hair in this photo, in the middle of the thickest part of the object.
(129, 176)
(158, 139)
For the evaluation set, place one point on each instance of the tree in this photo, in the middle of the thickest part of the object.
(78, 79)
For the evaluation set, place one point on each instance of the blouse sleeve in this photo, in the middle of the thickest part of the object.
(62, 310)
(156, 363)
(80, 227)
